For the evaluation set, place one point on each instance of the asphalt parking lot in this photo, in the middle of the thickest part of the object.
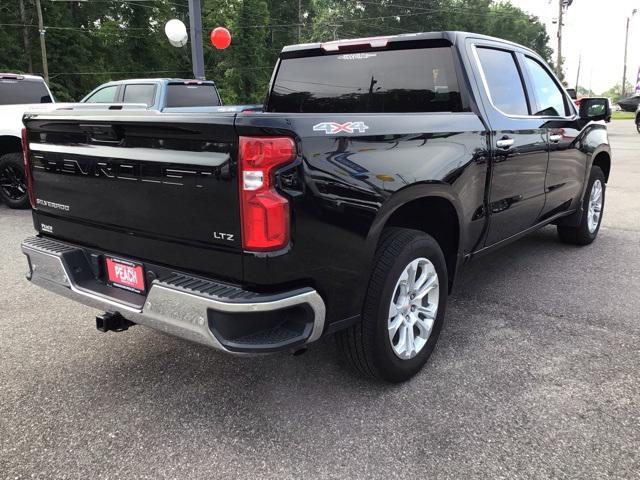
(536, 376)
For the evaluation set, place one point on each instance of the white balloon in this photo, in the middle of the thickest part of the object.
(180, 43)
(176, 31)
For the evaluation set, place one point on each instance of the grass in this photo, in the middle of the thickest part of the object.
(623, 116)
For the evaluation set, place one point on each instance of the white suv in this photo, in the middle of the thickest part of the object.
(18, 93)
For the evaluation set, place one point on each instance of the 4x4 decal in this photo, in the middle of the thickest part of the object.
(333, 127)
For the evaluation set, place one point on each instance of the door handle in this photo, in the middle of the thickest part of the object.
(505, 143)
(555, 138)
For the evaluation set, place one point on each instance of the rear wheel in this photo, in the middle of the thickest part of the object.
(13, 183)
(638, 124)
(593, 206)
(404, 308)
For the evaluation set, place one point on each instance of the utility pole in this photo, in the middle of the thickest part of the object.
(43, 45)
(299, 18)
(25, 36)
(578, 76)
(195, 31)
(562, 6)
(626, 44)
(559, 61)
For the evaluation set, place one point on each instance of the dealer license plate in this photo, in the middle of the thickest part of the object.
(125, 274)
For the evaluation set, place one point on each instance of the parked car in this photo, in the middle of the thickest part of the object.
(630, 104)
(18, 93)
(165, 95)
(157, 93)
(347, 207)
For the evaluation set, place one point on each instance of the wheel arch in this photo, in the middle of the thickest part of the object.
(602, 159)
(430, 208)
(10, 144)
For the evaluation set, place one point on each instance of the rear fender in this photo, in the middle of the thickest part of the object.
(396, 201)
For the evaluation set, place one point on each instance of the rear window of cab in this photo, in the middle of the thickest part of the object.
(412, 80)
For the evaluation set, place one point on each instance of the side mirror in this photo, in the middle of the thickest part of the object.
(595, 109)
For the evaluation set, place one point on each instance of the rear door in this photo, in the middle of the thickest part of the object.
(519, 142)
(143, 93)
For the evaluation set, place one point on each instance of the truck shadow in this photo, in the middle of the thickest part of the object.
(176, 381)
(492, 365)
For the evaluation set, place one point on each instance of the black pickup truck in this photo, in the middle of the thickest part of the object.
(377, 168)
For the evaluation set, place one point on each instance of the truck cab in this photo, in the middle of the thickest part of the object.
(162, 94)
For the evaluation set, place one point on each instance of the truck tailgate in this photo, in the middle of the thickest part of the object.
(165, 179)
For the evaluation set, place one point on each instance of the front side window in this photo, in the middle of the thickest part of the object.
(139, 94)
(503, 81)
(104, 95)
(548, 95)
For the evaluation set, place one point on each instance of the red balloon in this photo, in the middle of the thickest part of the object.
(220, 38)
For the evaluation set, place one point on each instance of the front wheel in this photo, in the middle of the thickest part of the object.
(592, 208)
(13, 183)
(404, 308)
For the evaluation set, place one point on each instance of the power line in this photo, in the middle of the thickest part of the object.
(424, 11)
(128, 72)
(53, 27)
(461, 10)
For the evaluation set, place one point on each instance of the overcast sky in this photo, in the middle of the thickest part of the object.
(594, 29)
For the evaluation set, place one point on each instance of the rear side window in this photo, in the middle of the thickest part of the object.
(139, 94)
(549, 97)
(104, 95)
(503, 81)
(15, 92)
(187, 95)
(417, 80)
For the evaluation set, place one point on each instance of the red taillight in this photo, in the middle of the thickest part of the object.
(27, 167)
(265, 213)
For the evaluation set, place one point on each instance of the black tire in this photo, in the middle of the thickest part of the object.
(581, 235)
(13, 184)
(366, 345)
(638, 124)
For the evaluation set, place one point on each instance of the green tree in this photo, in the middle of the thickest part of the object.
(250, 73)
(615, 92)
(95, 41)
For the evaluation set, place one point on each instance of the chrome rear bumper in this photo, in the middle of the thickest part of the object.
(189, 307)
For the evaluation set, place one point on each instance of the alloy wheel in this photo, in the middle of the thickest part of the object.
(413, 308)
(595, 206)
(13, 182)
